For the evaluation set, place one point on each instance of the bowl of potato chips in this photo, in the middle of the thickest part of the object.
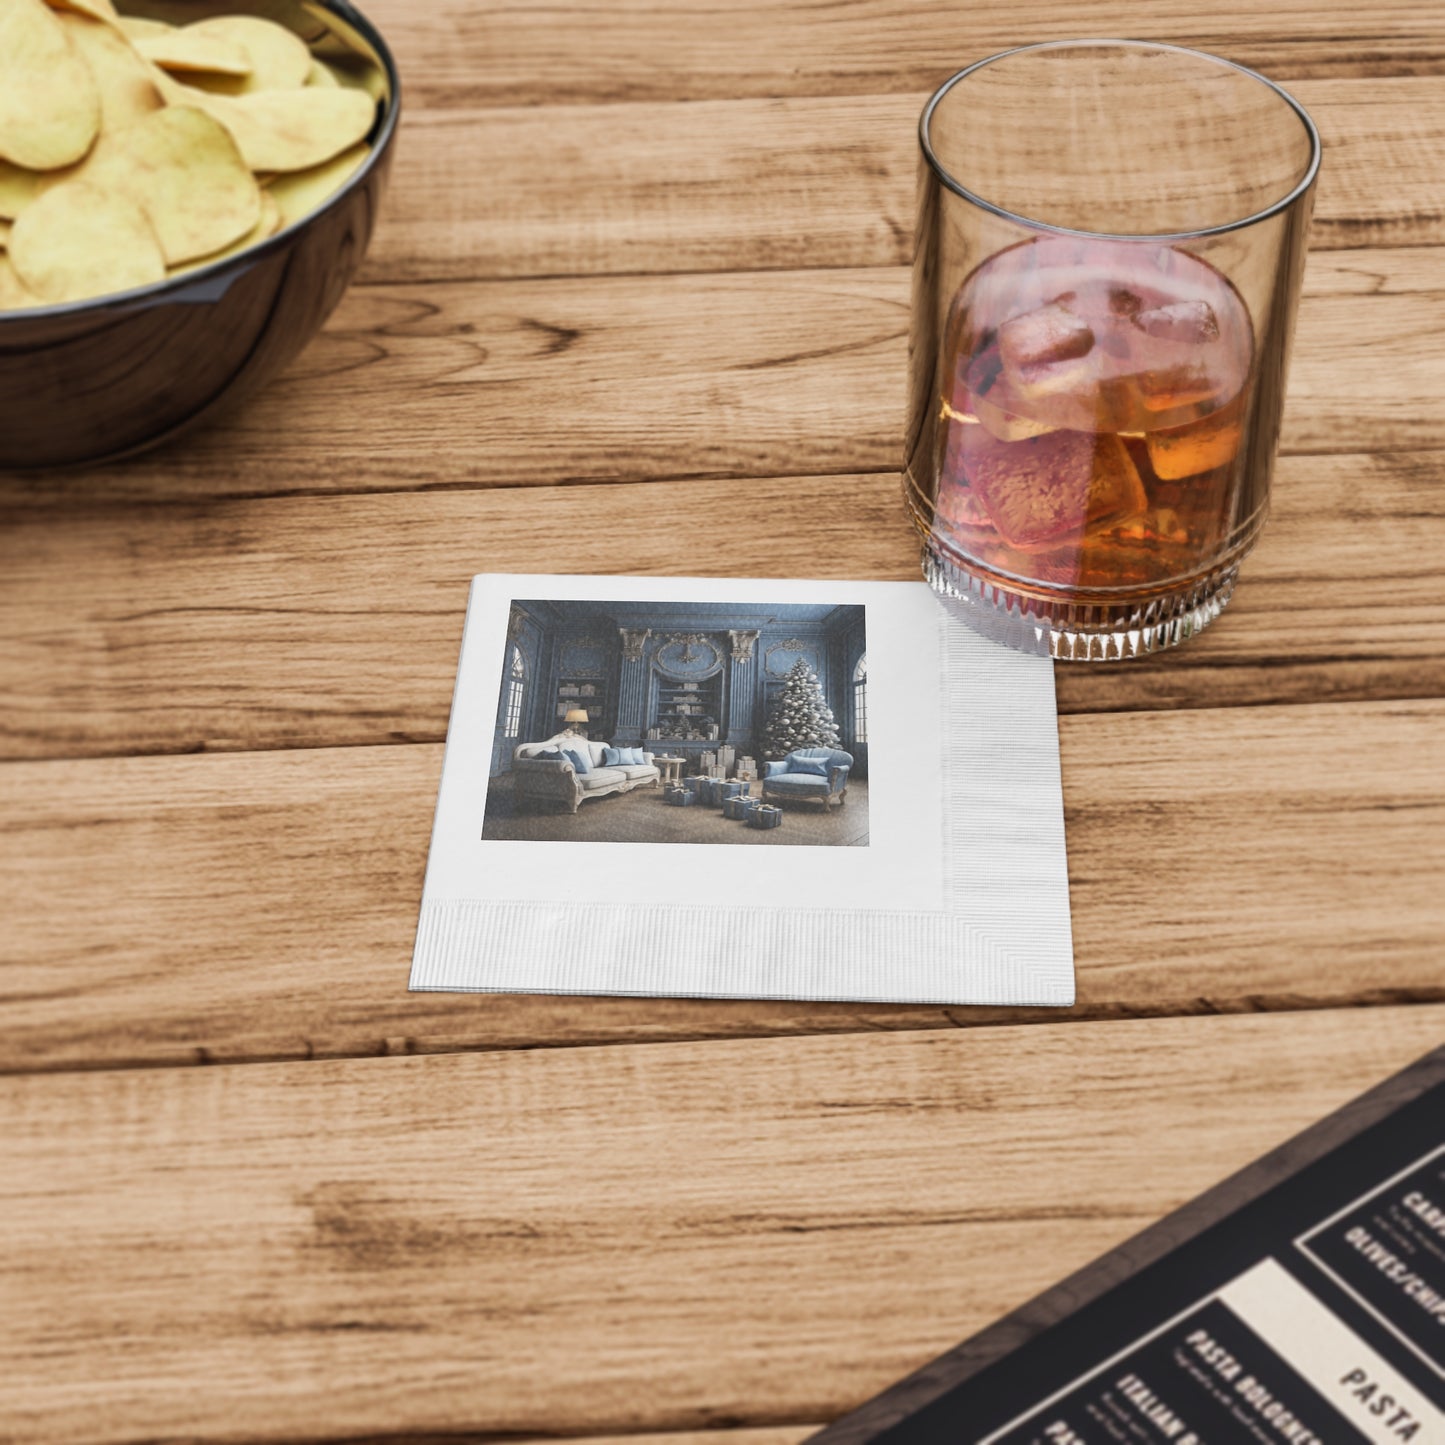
(186, 190)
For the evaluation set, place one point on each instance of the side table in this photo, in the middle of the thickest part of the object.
(671, 768)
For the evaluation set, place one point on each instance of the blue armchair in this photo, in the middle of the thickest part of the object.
(818, 775)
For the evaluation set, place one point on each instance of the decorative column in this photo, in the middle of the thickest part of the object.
(742, 689)
(632, 685)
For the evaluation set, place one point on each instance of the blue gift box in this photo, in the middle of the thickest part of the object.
(738, 806)
(765, 816)
(679, 797)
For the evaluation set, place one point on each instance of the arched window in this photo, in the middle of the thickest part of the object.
(860, 700)
(516, 688)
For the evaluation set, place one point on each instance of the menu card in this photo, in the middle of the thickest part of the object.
(1301, 1302)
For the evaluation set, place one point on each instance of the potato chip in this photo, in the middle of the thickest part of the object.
(96, 9)
(13, 295)
(134, 27)
(214, 84)
(127, 93)
(282, 130)
(49, 104)
(181, 167)
(131, 148)
(190, 49)
(298, 193)
(279, 58)
(18, 187)
(263, 230)
(78, 241)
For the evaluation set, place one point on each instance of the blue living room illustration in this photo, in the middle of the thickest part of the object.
(681, 722)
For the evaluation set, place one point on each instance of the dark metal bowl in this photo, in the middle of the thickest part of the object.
(97, 379)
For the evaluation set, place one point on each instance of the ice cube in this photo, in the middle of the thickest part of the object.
(1171, 377)
(1185, 451)
(1171, 388)
(1007, 426)
(960, 511)
(989, 398)
(1045, 490)
(1088, 393)
(1042, 337)
(1193, 322)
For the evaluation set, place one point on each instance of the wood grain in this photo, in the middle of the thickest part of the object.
(585, 1240)
(306, 622)
(522, 384)
(455, 53)
(785, 184)
(262, 906)
(639, 302)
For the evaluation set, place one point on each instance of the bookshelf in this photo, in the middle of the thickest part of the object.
(587, 692)
(686, 711)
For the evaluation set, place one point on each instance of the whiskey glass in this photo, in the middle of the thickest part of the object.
(1110, 242)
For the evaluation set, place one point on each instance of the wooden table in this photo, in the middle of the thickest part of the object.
(648, 263)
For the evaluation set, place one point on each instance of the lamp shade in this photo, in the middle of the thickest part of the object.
(576, 714)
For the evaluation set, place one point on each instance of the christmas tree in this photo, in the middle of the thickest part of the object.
(801, 719)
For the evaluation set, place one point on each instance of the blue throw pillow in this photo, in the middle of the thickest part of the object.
(817, 766)
(549, 755)
(579, 762)
(634, 757)
(611, 757)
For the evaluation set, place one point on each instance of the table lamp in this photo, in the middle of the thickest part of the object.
(574, 716)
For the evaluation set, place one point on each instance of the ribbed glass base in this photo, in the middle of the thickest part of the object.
(1092, 631)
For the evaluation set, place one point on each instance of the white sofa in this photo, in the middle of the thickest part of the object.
(543, 780)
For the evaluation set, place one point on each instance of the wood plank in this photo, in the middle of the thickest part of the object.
(263, 906)
(603, 1240)
(303, 622)
(643, 378)
(783, 184)
(456, 53)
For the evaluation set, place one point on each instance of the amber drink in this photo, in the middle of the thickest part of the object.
(1096, 414)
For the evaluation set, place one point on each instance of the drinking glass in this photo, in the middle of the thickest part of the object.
(1110, 241)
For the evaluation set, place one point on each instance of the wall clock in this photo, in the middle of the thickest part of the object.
(689, 655)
